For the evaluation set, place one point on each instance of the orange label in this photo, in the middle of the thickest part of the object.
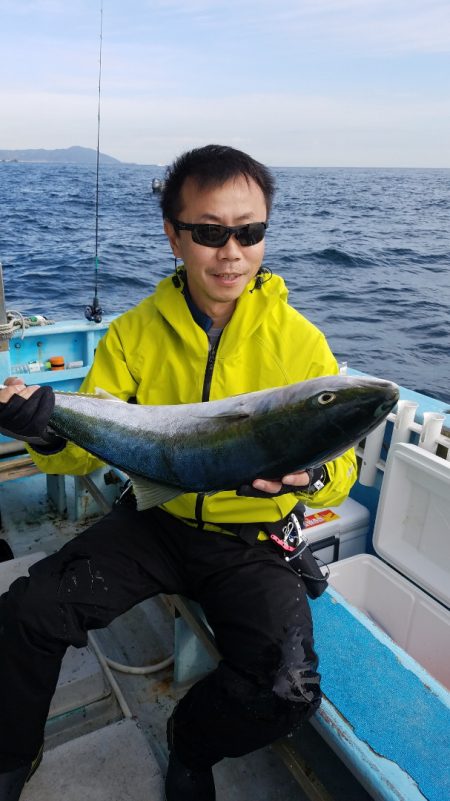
(324, 516)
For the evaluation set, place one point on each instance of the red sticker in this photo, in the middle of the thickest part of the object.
(317, 518)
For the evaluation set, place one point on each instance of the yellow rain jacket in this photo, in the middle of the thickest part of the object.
(157, 353)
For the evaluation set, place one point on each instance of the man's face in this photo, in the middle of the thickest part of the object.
(218, 275)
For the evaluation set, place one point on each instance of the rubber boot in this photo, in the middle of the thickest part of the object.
(184, 784)
(11, 783)
(5, 551)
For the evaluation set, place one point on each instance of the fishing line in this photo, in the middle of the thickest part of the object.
(94, 312)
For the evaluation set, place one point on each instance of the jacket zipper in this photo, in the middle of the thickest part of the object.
(209, 370)
(205, 397)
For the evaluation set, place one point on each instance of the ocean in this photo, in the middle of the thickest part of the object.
(365, 254)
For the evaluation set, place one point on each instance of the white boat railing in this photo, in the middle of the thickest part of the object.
(430, 438)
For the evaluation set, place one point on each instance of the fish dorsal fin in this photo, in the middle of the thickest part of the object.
(150, 493)
(103, 394)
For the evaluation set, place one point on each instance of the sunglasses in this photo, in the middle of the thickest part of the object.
(216, 236)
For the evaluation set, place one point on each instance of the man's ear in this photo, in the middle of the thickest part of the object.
(173, 237)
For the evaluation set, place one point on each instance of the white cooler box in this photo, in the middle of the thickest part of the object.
(337, 532)
(409, 600)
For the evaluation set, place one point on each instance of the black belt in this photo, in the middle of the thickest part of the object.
(249, 531)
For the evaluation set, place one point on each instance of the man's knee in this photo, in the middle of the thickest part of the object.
(230, 713)
(292, 695)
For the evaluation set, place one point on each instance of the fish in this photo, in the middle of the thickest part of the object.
(224, 444)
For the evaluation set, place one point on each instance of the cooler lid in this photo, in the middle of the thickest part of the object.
(412, 527)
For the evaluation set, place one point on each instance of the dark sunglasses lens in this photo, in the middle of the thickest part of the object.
(213, 236)
(216, 236)
(251, 234)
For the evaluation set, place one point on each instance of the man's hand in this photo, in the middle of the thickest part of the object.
(261, 487)
(293, 482)
(25, 412)
(15, 386)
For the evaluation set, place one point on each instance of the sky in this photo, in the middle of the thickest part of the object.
(360, 83)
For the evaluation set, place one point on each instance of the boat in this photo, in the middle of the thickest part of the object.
(105, 736)
(157, 185)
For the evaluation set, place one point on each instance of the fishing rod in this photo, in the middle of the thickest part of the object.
(94, 312)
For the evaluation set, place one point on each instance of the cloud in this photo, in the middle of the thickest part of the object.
(299, 82)
(377, 26)
(361, 26)
(289, 129)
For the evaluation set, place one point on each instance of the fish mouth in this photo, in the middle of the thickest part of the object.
(385, 407)
(391, 394)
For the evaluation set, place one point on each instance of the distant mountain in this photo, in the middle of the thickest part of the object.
(68, 155)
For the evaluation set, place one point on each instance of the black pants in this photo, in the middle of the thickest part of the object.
(267, 682)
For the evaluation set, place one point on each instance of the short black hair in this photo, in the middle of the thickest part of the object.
(212, 165)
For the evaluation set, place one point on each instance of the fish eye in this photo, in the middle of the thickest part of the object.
(325, 398)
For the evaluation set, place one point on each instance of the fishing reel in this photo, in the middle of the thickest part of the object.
(94, 313)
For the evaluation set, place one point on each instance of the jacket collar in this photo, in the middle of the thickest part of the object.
(202, 319)
(191, 324)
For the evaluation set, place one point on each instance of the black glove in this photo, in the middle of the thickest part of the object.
(27, 419)
(249, 491)
(318, 477)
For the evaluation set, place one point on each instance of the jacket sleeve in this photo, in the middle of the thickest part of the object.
(110, 372)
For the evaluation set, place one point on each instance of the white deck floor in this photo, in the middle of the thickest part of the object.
(114, 762)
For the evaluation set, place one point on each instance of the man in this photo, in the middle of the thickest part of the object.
(219, 326)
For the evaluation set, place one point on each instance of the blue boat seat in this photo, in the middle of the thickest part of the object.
(382, 712)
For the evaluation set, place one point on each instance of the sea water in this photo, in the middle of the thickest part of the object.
(365, 254)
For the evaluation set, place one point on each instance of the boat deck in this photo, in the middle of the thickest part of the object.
(92, 749)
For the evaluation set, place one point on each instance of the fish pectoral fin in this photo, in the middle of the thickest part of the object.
(232, 417)
(149, 493)
(103, 394)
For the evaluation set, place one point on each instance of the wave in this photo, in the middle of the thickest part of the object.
(339, 257)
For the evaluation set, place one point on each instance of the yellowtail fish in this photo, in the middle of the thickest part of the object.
(224, 444)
